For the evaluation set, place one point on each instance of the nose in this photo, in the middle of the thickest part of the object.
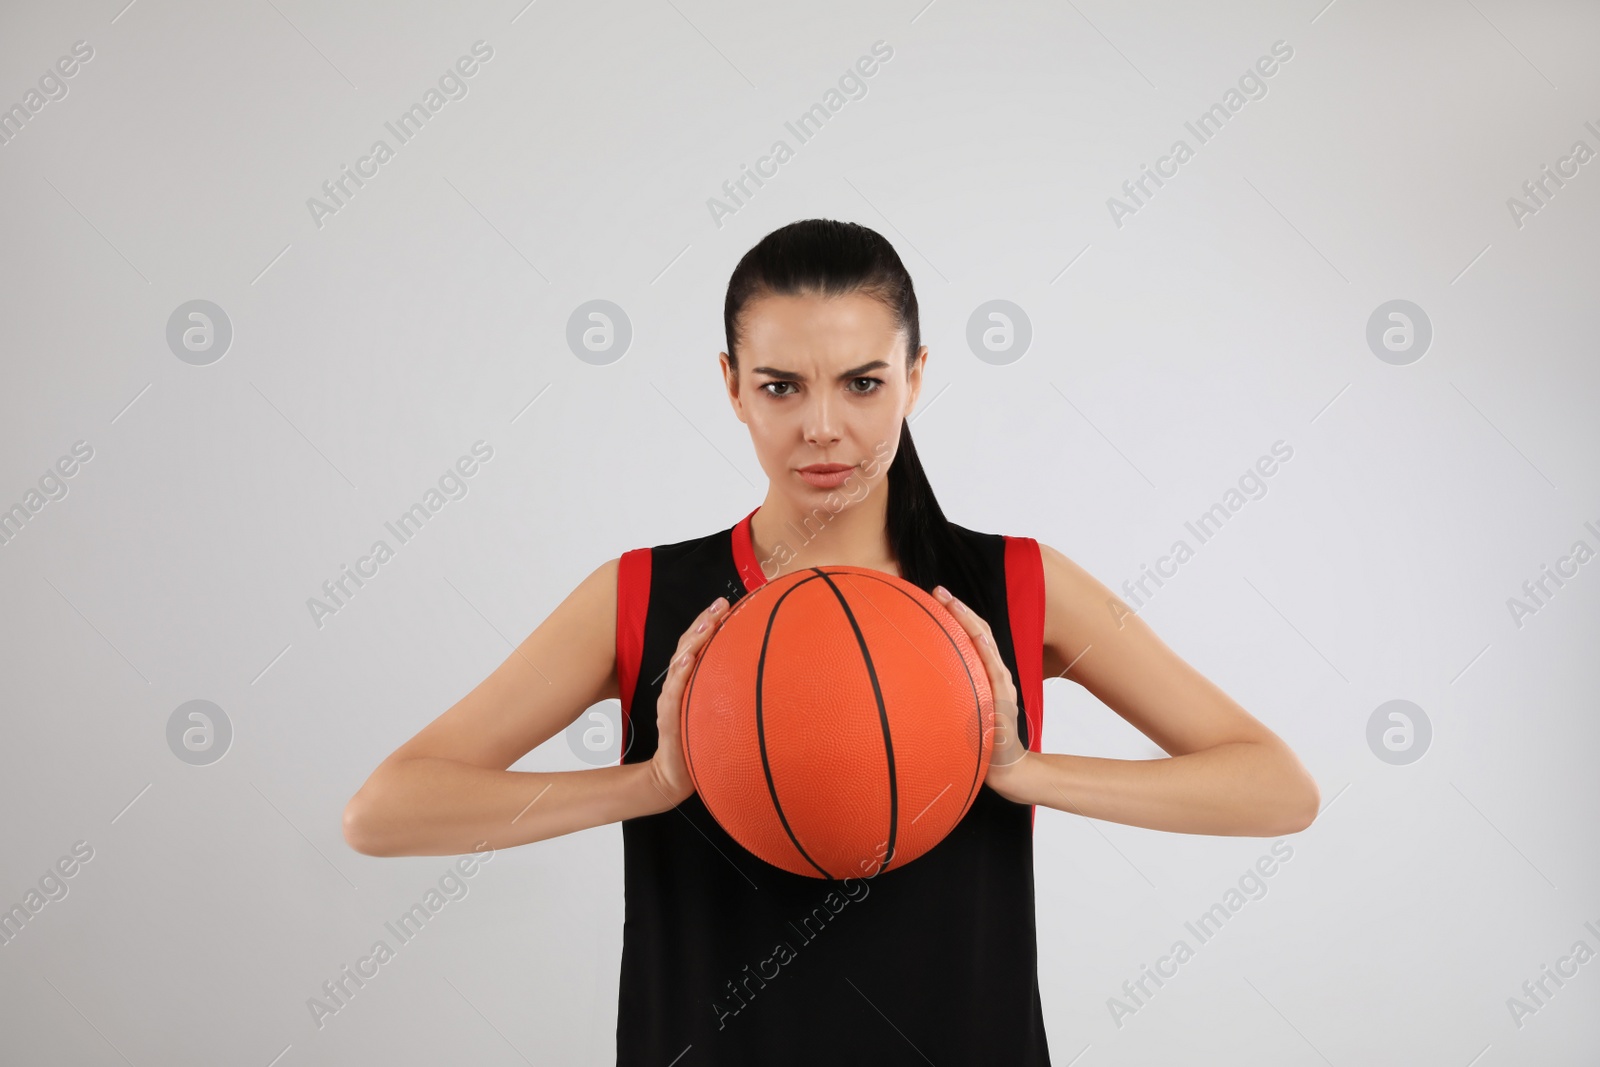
(821, 426)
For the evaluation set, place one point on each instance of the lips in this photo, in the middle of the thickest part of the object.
(826, 475)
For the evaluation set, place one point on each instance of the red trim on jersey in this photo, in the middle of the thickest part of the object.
(1025, 606)
(744, 555)
(633, 603)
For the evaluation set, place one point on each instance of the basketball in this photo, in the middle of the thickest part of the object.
(838, 723)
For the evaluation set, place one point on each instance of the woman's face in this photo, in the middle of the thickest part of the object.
(822, 381)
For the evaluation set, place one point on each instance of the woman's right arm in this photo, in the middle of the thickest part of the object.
(447, 792)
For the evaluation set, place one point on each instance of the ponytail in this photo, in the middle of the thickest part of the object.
(923, 540)
(832, 258)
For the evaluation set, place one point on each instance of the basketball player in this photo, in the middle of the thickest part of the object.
(725, 958)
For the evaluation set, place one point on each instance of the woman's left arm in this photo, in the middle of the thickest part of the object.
(1226, 774)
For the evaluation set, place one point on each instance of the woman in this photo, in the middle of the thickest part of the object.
(729, 960)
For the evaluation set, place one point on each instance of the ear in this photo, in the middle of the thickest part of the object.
(730, 382)
(917, 366)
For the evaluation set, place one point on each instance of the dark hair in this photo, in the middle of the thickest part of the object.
(831, 258)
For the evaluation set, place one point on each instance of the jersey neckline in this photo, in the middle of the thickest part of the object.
(744, 554)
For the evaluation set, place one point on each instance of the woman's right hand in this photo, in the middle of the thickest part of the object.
(669, 769)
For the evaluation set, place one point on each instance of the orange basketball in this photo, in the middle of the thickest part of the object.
(838, 723)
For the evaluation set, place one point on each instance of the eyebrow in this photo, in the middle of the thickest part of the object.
(791, 376)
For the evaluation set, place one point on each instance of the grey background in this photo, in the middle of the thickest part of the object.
(1167, 355)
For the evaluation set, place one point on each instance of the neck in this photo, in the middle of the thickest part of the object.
(790, 535)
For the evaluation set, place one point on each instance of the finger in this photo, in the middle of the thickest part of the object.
(703, 625)
(678, 669)
(693, 642)
(987, 655)
(976, 628)
(988, 651)
(709, 617)
(965, 615)
(683, 661)
(1003, 727)
(713, 611)
(700, 635)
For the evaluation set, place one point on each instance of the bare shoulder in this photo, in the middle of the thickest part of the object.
(601, 584)
(1095, 639)
(1074, 597)
(1082, 612)
(594, 604)
(1075, 602)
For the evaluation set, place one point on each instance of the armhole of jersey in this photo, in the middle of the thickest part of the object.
(633, 604)
(1025, 607)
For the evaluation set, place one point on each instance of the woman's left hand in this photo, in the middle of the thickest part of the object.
(1008, 753)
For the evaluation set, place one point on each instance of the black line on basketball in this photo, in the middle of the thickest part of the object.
(883, 717)
(761, 734)
(976, 703)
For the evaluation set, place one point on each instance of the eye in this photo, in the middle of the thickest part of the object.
(767, 386)
(877, 383)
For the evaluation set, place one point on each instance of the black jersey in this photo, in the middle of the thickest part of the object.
(727, 959)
